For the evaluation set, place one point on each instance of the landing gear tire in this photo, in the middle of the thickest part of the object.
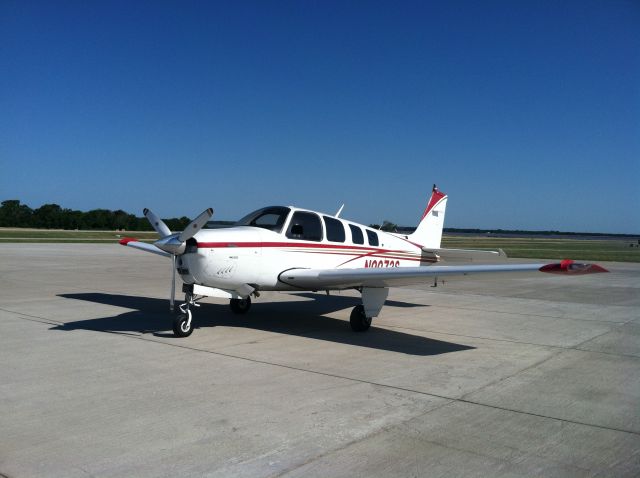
(240, 306)
(183, 325)
(359, 321)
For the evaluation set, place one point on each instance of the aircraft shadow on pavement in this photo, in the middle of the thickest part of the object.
(348, 301)
(299, 318)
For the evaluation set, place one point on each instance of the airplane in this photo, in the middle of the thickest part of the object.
(280, 248)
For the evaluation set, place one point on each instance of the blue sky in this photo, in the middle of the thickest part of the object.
(526, 113)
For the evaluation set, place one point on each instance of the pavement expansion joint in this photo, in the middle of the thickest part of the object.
(550, 417)
(523, 314)
(32, 318)
(502, 379)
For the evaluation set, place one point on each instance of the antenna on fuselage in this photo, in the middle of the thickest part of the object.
(339, 211)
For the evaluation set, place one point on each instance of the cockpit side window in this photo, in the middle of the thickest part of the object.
(271, 218)
(306, 226)
(268, 220)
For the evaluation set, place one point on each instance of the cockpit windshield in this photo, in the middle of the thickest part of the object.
(272, 218)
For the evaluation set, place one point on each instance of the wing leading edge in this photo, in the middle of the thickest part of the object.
(372, 277)
(143, 246)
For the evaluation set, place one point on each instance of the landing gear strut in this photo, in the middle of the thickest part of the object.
(359, 321)
(183, 325)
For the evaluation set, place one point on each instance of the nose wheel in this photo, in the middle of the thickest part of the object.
(182, 324)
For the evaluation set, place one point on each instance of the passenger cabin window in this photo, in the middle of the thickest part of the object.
(305, 226)
(356, 234)
(272, 218)
(334, 228)
(373, 238)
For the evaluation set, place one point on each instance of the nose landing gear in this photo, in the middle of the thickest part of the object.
(183, 325)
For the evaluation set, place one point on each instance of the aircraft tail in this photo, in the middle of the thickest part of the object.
(429, 232)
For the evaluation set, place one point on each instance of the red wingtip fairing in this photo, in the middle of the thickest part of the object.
(568, 266)
(126, 240)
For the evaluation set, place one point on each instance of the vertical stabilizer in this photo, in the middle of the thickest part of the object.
(429, 232)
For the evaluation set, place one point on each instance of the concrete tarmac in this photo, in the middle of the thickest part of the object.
(535, 376)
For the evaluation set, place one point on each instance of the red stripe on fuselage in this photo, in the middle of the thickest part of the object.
(214, 245)
(330, 249)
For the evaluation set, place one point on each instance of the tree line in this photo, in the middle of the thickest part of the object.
(52, 216)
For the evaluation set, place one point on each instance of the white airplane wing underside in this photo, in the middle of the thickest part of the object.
(318, 279)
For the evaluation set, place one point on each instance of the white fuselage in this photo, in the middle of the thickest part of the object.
(232, 257)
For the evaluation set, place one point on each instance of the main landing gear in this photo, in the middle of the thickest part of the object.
(372, 301)
(358, 319)
(240, 306)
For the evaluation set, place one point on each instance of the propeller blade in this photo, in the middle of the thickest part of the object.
(173, 283)
(157, 223)
(195, 225)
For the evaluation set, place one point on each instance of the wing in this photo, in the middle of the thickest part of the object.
(131, 242)
(389, 277)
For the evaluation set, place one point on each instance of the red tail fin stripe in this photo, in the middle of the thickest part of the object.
(436, 196)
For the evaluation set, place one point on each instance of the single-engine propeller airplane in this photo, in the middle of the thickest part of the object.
(280, 248)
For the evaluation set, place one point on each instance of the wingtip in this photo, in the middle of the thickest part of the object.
(126, 240)
(568, 266)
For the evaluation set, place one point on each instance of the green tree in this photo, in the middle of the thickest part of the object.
(72, 219)
(177, 224)
(388, 226)
(98, 219)
(14, 214)
(123, 220)
(48, 216)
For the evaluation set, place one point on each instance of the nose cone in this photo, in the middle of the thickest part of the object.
(171, 244)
